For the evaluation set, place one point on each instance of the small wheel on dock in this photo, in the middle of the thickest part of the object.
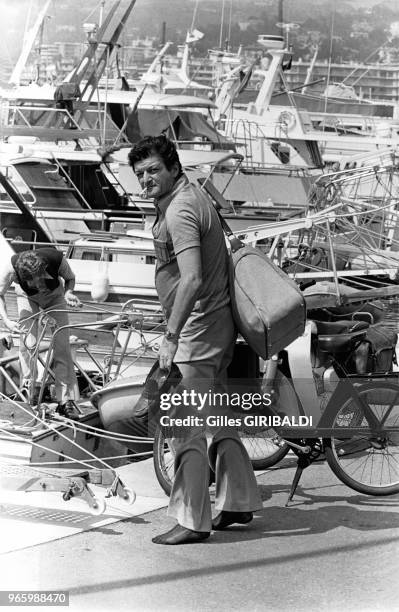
(129, 496)
(98, 506)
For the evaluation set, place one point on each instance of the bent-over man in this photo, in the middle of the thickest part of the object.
(44, 280)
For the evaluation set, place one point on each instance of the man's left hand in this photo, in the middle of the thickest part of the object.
(167, 351)
(72, 299)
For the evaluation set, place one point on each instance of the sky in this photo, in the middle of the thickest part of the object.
(14, 13)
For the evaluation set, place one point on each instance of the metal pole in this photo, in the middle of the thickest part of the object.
(221, 26)
(334, 268)
(280, 17)
(100, 20)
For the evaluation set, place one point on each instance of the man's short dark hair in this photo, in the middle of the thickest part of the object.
(29, 264)
(155, 145)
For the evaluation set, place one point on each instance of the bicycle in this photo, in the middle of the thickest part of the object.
(355, 418)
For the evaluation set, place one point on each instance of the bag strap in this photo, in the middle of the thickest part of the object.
(217, 202)
(235, 243)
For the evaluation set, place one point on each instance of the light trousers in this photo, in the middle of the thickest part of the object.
(66, 385)
(199, 448)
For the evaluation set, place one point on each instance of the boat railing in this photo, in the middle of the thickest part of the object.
(101, 340)
(245, 133)
(24, 115)
(364, 125)
(90, 246)
(49, 123)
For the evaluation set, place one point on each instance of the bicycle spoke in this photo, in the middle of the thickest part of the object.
(368, 462)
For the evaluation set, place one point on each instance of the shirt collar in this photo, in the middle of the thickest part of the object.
(163, 202)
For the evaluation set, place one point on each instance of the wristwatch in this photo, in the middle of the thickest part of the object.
(173, 337)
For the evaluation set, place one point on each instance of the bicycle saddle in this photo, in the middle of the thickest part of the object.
(339, 336)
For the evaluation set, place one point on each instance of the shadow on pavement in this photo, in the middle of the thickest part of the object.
(212, 569)
(281, 522)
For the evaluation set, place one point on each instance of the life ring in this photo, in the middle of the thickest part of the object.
(287, 120)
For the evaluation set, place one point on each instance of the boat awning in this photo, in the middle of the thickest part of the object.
(193, 158)
(45, 94)
(49, 155)
(189, 158)
(182, 125)
(175, 101)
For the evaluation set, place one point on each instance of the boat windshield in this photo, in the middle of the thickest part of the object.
(16, 180)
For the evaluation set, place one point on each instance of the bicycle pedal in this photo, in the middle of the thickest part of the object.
(278, 441)
(377, 444)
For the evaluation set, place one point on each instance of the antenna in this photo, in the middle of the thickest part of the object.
(287, 28)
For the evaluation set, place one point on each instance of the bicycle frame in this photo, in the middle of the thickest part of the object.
(105, 329)
(303, 385)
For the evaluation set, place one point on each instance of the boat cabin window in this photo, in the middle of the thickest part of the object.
(90, 256)
(98, 254)
(17, 182)
(50, 189)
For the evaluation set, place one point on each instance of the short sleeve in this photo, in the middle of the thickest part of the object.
(65, 270)
(184, 226)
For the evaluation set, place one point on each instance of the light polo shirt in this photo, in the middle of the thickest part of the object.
(185, 219)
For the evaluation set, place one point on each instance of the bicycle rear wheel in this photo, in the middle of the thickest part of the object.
(262, 451)
(367, 462)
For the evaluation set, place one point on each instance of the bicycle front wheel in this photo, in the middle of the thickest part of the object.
(367, 461)
(261, 449)
(164, 460)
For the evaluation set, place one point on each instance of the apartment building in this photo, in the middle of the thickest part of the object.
(374, 81)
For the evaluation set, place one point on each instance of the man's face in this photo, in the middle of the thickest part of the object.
(154, 177)
(38, 281)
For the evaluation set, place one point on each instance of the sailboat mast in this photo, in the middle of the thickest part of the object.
(221, 26)
(29, 41)
(280, 16)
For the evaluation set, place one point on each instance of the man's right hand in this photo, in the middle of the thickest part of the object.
(12, 326)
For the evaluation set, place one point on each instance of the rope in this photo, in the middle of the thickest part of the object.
(37, 445)
(111, 435)
(127, 456)
(20, 432)
(61, 435)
